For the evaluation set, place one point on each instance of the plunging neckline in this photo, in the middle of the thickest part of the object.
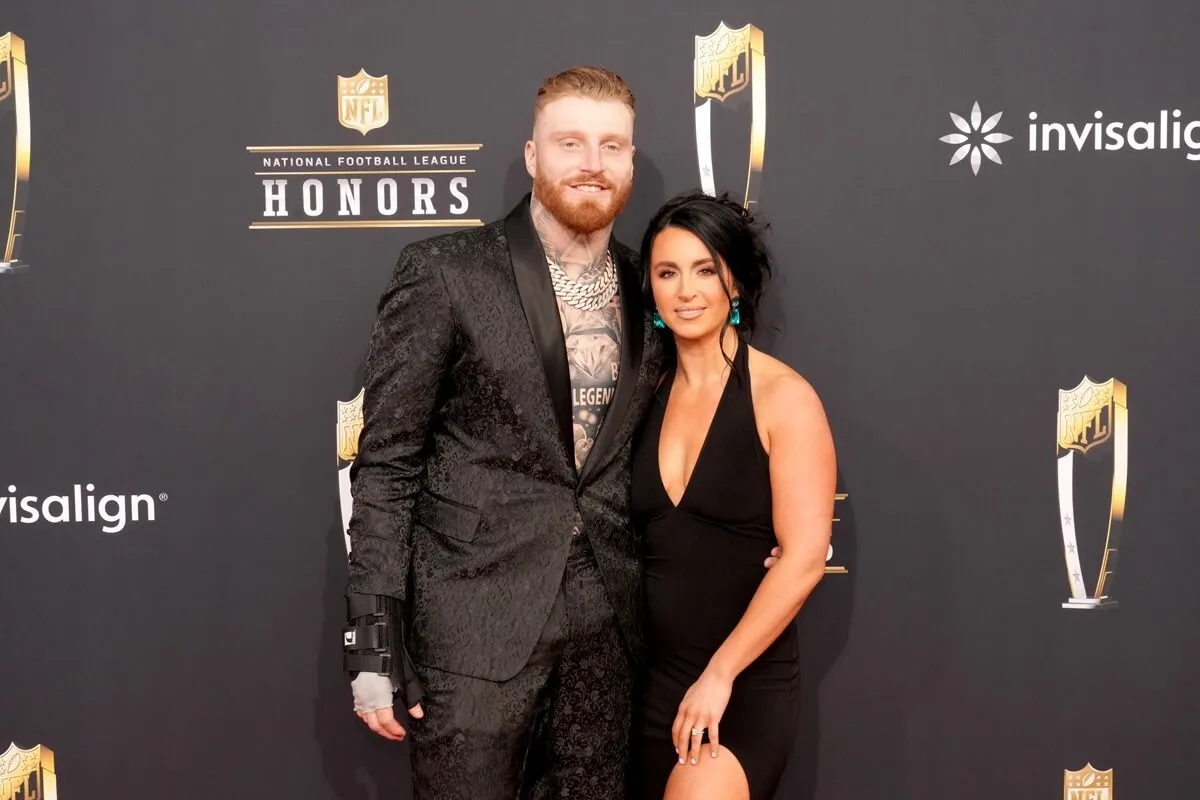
(691, 478)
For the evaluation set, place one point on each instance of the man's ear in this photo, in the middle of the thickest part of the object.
(531, 158)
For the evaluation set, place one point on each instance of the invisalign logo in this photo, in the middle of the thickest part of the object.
(1167, 133)
(113, 511)
(975, 137)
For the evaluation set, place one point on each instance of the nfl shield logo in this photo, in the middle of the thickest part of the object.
(1085, 414)
(1088, 783)
(28, 773)
(363, 102)
(723, 62)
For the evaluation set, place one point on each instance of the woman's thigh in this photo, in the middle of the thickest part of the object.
(720, 778)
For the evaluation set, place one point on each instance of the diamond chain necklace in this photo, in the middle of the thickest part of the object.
(585, 296)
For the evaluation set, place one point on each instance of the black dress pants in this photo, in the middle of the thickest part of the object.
(559, 729)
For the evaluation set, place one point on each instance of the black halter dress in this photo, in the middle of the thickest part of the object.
(703, 564)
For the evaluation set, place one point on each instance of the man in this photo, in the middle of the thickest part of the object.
(494, 577)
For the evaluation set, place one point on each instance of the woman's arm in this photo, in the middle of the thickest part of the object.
(803, 484)
(803, 469)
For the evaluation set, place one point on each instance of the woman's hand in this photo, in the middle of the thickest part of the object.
(702, 707)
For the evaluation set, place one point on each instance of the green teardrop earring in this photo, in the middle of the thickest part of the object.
(658, 323)
(735, 316)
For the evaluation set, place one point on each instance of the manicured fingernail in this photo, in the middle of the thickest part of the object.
(714, 753)
(681, 759)
(693, 761)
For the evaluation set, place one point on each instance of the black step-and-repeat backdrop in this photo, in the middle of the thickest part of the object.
(985, 216)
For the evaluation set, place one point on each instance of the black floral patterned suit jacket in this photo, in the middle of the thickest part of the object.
(466, 495)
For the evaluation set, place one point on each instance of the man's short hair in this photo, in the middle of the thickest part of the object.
(594, 83)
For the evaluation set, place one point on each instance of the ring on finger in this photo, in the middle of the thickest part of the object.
(697, 731)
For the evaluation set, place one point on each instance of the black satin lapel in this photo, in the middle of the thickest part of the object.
(632, 335)
(541, 311)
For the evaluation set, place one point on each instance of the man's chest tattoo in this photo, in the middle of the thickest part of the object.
(593, 341)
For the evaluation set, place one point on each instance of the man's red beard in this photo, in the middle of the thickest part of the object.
(586, 216)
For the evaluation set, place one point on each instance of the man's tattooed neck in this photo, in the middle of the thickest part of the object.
(581, 256)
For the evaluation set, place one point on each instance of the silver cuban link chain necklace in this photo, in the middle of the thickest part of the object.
(585, 296)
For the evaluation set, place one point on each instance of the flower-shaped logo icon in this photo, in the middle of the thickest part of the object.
(969, 138)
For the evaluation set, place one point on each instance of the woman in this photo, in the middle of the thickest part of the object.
(736, 453)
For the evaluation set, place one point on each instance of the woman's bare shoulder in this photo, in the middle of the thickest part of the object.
(780, 391)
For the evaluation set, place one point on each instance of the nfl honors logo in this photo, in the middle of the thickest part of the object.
(28, 774)
(1088, 783)
(367, 185)
(363, 102)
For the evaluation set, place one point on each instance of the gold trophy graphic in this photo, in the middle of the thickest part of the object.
(1089, 416)
(833, 567)
(14, 150)
(727, 62)
(349, 429)
(28, 774)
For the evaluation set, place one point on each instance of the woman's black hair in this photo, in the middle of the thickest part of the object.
(732, 235)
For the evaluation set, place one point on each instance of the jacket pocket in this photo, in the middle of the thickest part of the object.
(450, 519)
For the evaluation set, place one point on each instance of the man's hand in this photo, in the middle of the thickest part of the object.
(774, 558)
(373, 704)
(384, 722)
